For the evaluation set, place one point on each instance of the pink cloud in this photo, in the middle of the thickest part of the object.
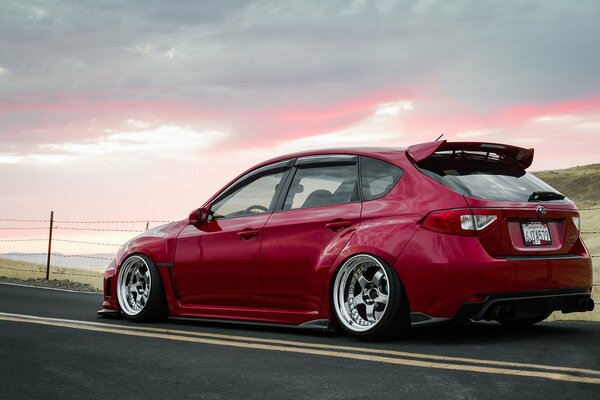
(65, 117)
(269, 125)
(524, 112)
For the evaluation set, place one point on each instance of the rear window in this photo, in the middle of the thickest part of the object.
(484, 179)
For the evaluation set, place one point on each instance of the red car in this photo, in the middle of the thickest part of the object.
(371, 240)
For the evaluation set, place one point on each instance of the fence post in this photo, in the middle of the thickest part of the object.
(49, 246)
(147, 224)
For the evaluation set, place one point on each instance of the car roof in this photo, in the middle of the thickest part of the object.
(390, 154)
(394, 155)
(400, 156)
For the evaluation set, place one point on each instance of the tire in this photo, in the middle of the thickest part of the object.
(532, 320)
(140, 290)
(379, 310)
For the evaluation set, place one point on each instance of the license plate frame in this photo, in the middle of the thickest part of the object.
(536, 233)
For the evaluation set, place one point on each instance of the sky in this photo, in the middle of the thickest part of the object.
(141, 110)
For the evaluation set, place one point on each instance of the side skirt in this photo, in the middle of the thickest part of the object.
(420, 319)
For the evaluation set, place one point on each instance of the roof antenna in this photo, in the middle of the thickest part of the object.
(439, 137)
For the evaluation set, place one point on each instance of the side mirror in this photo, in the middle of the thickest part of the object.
(199, 215)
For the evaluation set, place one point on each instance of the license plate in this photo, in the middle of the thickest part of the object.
(536, 233)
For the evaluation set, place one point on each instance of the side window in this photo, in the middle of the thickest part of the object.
(378, 177)
(252, 198)
(321, 186)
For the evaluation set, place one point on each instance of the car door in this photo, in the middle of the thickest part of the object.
(217, 261)
(315, 220)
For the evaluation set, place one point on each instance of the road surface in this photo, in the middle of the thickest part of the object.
(54, 346)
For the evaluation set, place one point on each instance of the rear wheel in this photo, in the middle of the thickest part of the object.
(140, 291)
(368, 299)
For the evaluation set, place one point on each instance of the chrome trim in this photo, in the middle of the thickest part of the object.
(541, 210)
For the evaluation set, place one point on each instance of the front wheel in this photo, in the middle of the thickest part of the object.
(368, 299)
(140, 292)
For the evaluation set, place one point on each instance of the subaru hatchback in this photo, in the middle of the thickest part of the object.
(370, 240)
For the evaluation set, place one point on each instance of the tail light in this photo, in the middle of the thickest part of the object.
(577, 222)
(463, 221)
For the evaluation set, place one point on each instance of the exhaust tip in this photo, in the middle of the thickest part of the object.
(590, 305)
(501, 313)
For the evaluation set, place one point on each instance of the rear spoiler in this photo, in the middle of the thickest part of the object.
(495, 151)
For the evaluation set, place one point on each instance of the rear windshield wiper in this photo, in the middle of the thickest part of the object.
(545, 196)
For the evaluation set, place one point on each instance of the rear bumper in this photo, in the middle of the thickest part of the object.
(530, 303)
(441, 273)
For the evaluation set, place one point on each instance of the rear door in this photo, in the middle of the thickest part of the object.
(317, 217)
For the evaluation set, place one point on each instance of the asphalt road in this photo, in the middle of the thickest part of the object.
(54, 346)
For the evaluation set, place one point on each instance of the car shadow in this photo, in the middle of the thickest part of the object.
(466, 333)
(242, 328)
(492, 332)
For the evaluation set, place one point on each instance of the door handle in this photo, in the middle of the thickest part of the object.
(247, 234)
(338, 225)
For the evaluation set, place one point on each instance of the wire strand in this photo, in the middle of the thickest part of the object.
(24, 220)
(83, 242)
(112, 222)
(24, 240)
(55, 255)
(23, 228)
(97, 229)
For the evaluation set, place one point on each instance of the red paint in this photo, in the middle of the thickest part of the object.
(516, 155)
(279, 266)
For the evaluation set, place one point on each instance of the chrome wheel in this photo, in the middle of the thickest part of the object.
(361, 293)
(133, 285)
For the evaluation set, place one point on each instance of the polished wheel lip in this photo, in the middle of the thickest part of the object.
(133, 285)
(357, 311)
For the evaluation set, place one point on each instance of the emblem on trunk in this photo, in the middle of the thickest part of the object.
(541, 210)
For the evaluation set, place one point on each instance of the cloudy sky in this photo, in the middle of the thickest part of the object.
(142, 109)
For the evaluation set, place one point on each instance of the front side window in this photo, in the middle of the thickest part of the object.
(321, 186)
(378, 177)
(255, 197)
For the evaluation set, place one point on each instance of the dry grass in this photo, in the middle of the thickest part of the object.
(24, 270)
(590, 221)
(580, 184)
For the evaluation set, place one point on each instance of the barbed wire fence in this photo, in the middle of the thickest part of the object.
(53, 226)
(92, 226)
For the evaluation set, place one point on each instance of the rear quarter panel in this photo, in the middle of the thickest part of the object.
(389, 223)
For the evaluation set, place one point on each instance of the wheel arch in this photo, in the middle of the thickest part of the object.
(346, 254)
(163, 270)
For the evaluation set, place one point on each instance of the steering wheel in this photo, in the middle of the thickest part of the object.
(256, 207)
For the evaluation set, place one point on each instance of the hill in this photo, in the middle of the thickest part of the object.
(580, 184)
